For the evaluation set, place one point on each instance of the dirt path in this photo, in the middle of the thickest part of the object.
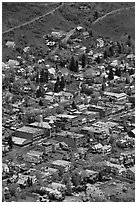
(35, 19)
(110, 13)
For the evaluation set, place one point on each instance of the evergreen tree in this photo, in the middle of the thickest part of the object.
(111, 51)
(72, 64)
(119, 48)
(38, 93)
(105, 55)
(74, 105)
(125, 69)
(90, 33)
(10, 142)
(75, 178)
(45, 76)
(62, 83)
(110, 75)
(131, 72)
(57, 85)
(118, 72)
(76, 66)
(83, 60)
(96, 15)
(98, 60)
(40, 103)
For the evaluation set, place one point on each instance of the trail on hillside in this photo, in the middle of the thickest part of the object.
(110, 13)
(35, 19)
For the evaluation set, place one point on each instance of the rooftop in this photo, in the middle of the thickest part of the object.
(61, 163)
(28, 129)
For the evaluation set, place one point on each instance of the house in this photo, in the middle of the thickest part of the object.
(97, 148)
(5, 168)
(33, 156)
(47, 147)
(72, 139)
(129, 174)
(62, 165)
(79, 28)
(106, 149)
(116, 96)
(58, 186)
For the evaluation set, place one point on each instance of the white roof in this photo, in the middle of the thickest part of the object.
(18, 140)
(52, 71)
(98, 145)
(61, 162)
(43, 124)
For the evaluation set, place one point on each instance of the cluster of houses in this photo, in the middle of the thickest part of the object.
(85, 118)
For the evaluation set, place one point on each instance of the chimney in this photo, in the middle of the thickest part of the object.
(41, 120)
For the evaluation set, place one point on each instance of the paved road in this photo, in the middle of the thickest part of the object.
(110, 13)
(32, 21)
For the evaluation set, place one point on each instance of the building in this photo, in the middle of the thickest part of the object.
(106, 149)
(58, 186)
(21, 141)
(33, 156)
(116, 96)
(65, 121)
(62, 165)
(71, 139)
(44, 126)
(30, 133)
(103, 111)
(47, 147)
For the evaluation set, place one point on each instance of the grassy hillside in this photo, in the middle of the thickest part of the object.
(116, 25)
(68, 16)
(15, 13)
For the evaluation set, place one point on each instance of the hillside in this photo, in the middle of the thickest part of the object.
(65, 18)
(14, 13)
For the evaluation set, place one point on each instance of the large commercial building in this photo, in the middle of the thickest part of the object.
(30, 133)
(103, 111)
(61, 165)
(115, 96)
(44, 126)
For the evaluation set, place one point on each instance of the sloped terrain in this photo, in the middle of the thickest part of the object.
(65, 18)
(117, 24)
(15, 13)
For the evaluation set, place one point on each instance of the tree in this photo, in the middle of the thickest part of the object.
(96, 15)
(83, 60)
(98, 60)
(38, 92)
(105, 55)
(40, 102)
(56, 87)
(75, 178)
(74, 105)
(10, 142)
(132, 71)
(119, 48)
(90, 33)
(12, 189)
(76, 66)
(111, 51)
(62, 83)
(72, 64)
(110, 75)
(69, 189)
(45, 76)
(59, 110)
(118, 72)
